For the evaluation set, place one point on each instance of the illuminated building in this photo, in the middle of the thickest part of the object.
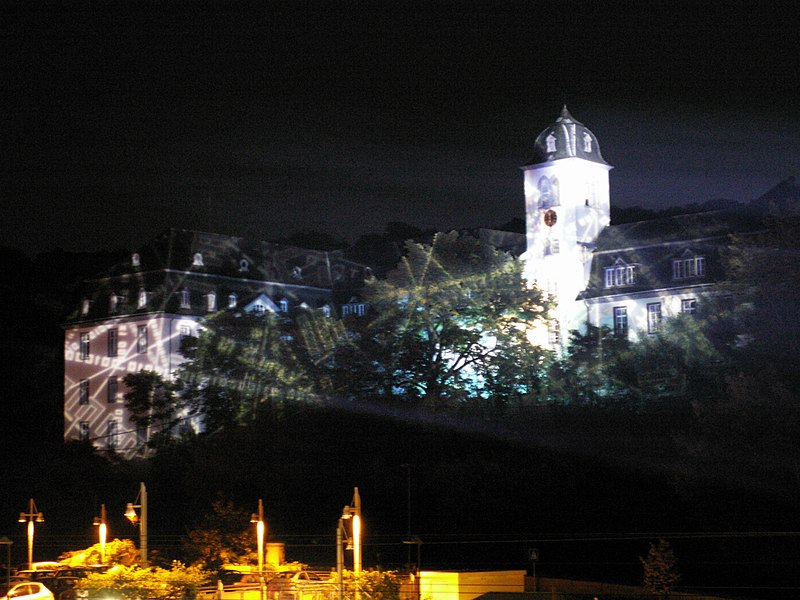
(133, 317)
(566, 206)
(627, 277)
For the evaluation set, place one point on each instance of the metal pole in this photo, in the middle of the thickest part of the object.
(340, 559)
(143, 526)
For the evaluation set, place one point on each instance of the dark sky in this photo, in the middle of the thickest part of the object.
(258, 119)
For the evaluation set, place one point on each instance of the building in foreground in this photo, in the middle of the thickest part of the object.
(133, 316)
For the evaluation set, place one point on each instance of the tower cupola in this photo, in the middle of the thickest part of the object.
(565, 138)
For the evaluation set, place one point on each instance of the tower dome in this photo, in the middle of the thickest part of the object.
(566, 138)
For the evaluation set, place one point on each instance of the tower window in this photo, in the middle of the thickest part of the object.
(185, 299)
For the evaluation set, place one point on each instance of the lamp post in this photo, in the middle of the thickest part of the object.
(102, 532)
(131, 515)
(32, 516)
(351, 512)
(261, 528)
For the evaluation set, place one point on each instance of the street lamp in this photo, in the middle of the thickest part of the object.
(32, 516)
(131, 515)
(351, 512)
(102, 532)
(258, 519)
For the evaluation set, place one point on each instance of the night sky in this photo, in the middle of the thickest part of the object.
(260, 119)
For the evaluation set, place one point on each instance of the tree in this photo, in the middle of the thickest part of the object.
(441, 319)
(223, 536)
(660, 573)
(134, 583)
(117, 552)
(152, 404)
(241, 365)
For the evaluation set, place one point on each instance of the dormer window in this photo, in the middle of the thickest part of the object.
(587, 142)
(113, 303)
(620, 274)
(136, 261)
(354, 307)
(86, 304)
(142, 301)
(197, 260)
(244, 265)
(233, 299)
(284, 305)
(326, 310)
(185, 298)
(297, 273)
(259, 309)
(689, 265)
(550, 140)
(211, 301)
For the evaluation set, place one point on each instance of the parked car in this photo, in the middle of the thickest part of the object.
(62, 586)
(27, 590)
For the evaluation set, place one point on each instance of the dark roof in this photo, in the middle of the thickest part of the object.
(201, 262)
(652, 246)
(571, 139)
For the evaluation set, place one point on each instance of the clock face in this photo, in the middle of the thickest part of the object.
(550, 218)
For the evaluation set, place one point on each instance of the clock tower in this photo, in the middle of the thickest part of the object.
(566, 206)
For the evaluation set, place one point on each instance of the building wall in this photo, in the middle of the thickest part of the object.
(455, 585)
(159, 353)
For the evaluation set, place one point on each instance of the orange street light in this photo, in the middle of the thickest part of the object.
(32, 516)
(102, 532)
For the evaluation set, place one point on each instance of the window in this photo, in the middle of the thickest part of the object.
(211, 301)
(259, 309)
(654, 317)
(554, 333)
(84, 346)
(113, 338)
(354, 308)
(688, 266)
(551, 247)
(587, 142)
(113, 389)
(551, 142)
(83, 431)
(83, 391)
(141, 339)
(142, 302)
(688, 305)
(621, 321)
(326, 310)
(620, 275)
(112, 440)
(113, 301)
(185, 299)
(244, 266)
(85, 306)
(197, 260)
(136, 260)
(232, 300)
(284, 305)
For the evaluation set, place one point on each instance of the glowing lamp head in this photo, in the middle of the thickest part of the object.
(130, 514)
(22, 518)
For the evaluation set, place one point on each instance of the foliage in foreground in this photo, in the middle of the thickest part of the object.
(154, 583)
(117, 552)
(375, 585)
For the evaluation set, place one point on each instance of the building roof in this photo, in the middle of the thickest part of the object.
(565, 138)
(181, 261)
(652, 246)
